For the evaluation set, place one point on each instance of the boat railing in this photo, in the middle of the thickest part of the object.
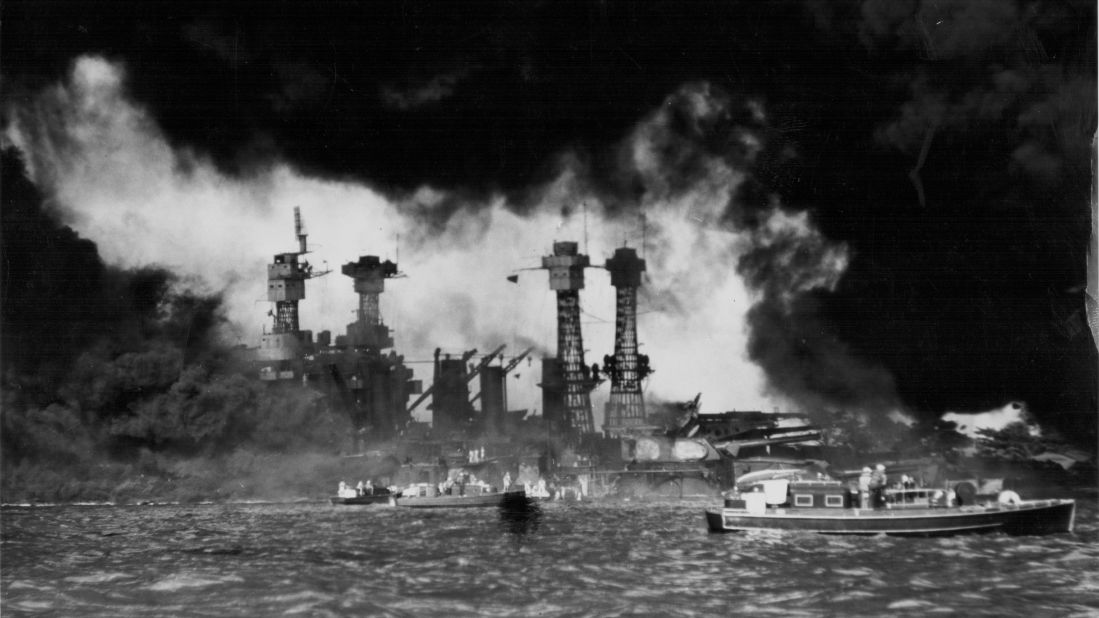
(915, 497)
(1032, 503)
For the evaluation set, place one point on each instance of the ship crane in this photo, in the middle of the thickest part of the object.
(469, 377)
(506, 369)
(299, 231)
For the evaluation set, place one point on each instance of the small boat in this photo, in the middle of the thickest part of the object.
(382, 496)
(364, 495)
(827, 507)
(424, 495)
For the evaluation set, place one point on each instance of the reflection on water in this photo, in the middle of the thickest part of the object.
(522, 559)
(519, 515)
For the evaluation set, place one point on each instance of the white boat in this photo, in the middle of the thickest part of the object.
(826, 507)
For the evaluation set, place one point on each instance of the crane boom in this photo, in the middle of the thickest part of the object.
(515, 361)
(507, 369)
(299, 230)
(484, 363)
(472, 374)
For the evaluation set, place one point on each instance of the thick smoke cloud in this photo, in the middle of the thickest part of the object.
(115, 378)
(61, 300)
(704, 146)
(110, 171)
(944, 146)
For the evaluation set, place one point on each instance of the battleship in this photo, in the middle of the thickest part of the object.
(472, 431)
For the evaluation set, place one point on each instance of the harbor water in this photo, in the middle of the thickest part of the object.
(560, 559)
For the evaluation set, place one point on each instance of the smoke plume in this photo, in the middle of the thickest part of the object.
(877, 205)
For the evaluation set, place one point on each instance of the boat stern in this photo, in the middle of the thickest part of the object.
(715, 521)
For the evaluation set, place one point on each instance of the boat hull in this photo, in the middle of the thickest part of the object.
(372, 499)
(1028, 518)
(469, 501)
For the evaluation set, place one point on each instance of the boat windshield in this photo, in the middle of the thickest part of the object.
(918, 497)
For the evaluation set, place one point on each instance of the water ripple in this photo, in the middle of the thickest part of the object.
(555, 560)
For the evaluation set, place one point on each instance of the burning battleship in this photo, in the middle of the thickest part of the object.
(359, 371)
(675, 451)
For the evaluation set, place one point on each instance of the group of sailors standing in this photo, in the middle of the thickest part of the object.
(362, 489)
(872, 487)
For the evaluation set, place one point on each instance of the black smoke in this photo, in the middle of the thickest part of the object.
(60, 300)
(81, 334)
(113, 375)
(946, 144)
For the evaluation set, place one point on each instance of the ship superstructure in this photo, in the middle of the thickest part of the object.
(282, 348)
(361, 375)
(369, 273)
(372, 382)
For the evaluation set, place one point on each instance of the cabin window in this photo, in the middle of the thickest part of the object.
(833, 501)
(803, 500)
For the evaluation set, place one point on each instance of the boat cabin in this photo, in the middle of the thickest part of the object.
(830, 494)
(431, 490)
(821, 494)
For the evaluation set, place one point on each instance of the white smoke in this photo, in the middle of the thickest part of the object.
(115, 179)
(996, 419)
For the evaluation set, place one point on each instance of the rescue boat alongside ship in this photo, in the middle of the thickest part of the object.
(376, 495)
(827, 507)
(424, 496)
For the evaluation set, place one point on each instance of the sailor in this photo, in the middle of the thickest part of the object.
(1008, 496)
(507, 481)
(864, 488)
(368, 488)
(359, 488)
(877, 487)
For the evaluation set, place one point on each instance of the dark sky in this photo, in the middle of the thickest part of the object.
(947, 143)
